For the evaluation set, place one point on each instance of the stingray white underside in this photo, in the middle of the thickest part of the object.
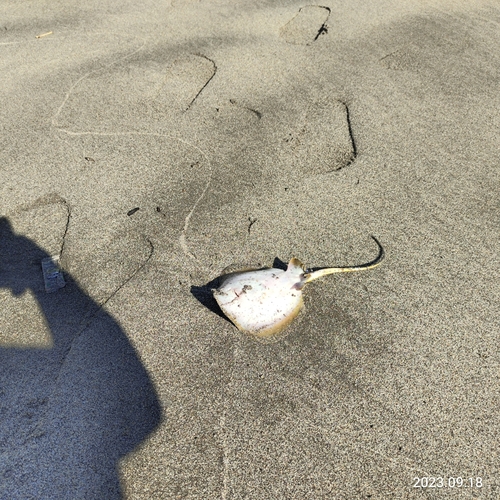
(262, 302)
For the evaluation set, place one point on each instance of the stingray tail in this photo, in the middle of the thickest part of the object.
(315, 274)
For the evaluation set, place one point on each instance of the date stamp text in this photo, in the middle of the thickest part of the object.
(447, 482)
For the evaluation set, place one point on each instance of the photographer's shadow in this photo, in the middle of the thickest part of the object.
(71, 411)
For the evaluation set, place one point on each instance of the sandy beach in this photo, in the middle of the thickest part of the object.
(152, 145)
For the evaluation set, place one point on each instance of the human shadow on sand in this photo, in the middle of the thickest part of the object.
(71, 411)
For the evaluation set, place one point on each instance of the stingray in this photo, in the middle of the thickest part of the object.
(263, 302)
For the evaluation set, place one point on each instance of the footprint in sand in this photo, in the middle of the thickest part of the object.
(238, 209)
(134, 95)
(101, 274)
(322, 141)
(306, 26)
(45, 222)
